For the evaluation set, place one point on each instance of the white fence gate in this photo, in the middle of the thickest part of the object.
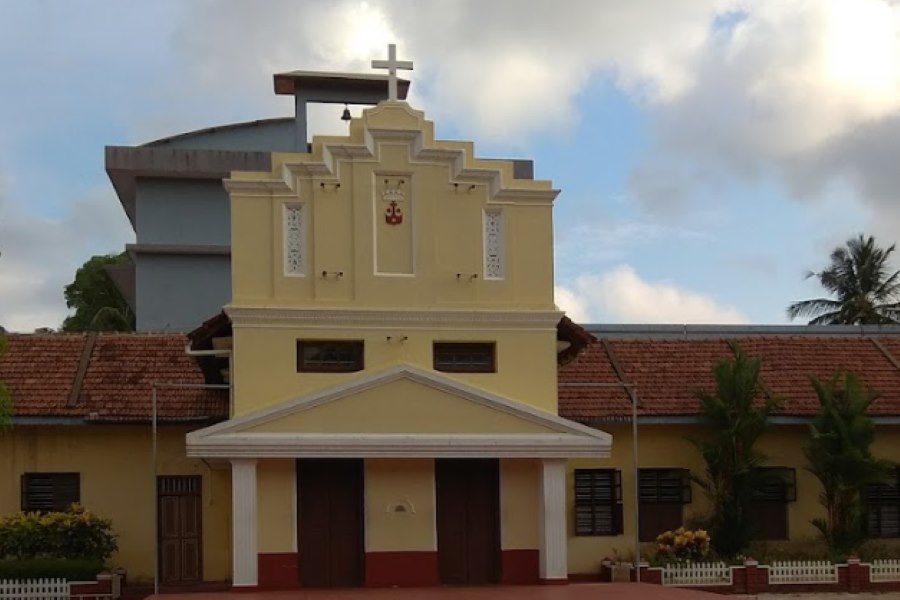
(884, 570)
(34, 589)
(697, 574)
(805, 571)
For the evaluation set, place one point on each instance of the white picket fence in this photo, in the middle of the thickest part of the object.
(697, 574)
(884, 570)
(34, 589)
(803, 571)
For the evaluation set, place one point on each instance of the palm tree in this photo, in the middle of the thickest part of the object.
(858, 277)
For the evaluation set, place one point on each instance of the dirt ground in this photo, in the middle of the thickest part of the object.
(840, 596)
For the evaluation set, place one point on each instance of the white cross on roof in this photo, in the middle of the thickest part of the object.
(392, 64)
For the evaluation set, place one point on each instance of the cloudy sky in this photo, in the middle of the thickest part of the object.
(709, 152)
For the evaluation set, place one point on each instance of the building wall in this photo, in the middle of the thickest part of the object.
(668, 446)
(353, 259)
(265, 362)
(182, 211)
(179, 292)
(117, 483)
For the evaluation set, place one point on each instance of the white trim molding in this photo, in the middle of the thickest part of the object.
(244, 522)
(264, 316)
(562, 439)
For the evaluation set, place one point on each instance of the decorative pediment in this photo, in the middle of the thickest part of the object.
(402, 411)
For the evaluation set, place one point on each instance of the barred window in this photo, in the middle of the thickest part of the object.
(882, 505)
(598, 502)
(329, 356)
(46, 492)
(465, 357)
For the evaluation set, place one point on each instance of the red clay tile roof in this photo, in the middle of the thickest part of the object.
(41, 371)
(666, 371)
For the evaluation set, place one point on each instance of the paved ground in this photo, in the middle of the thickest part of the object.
(586, 591)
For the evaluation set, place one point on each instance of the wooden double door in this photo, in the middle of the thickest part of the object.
(468, 520)
(330, 509)
(330, 522)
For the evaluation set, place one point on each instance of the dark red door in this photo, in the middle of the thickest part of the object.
(330, 523)
(180, 538)
(468, 522)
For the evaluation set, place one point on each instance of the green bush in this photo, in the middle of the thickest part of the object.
(35, 568)
(74, 534)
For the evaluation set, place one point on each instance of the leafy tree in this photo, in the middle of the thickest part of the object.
(736, 414)
(865, 290)
(98, 304)
(5, 400)
(838, 455)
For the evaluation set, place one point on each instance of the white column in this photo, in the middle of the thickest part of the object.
(243, 522)
(553, 562)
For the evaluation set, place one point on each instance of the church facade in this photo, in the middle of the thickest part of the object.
(394, 367)
(390, 396)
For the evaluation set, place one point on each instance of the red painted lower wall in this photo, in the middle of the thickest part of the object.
(402, 569)
(519, 567)
(278, 570)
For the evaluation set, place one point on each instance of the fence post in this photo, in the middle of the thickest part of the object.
(757, 580)
(856, 575)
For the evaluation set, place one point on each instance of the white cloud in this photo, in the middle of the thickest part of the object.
(621, 296)
(569, 302)
(40, 255)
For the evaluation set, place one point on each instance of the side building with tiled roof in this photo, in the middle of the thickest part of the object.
(82, 431)
(662, 366)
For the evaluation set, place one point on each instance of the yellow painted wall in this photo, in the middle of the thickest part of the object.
(667, 446)
(265, 362)
(401, 406)
(347, 232)
(519, 503)
(406, 484)
(117, 483)
(276, 505)
(410, 266)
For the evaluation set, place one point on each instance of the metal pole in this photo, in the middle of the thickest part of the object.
(637, 489)
(155, 500)
(630, 388)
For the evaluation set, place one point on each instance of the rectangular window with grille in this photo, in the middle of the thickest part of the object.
(882, 506)
(465, 357)
(663, 493)
(329, 356)
(50, 492)
(776, 488)
(598, 502)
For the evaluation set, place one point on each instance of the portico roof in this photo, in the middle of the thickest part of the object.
(402, 411)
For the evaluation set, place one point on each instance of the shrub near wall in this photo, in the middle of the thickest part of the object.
(74, 544)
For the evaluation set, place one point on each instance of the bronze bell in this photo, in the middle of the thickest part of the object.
(346, 115)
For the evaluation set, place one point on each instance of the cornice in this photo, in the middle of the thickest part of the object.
(260, 316)
(330, 445)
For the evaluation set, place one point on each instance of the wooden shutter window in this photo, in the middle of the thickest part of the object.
(662, 493)
(598, 502)
(777, 487)
(50, 492)
(882, 509)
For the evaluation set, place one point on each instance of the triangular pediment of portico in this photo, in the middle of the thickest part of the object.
(403, 405)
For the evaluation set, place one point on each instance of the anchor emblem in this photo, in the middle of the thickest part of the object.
(392, 214)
